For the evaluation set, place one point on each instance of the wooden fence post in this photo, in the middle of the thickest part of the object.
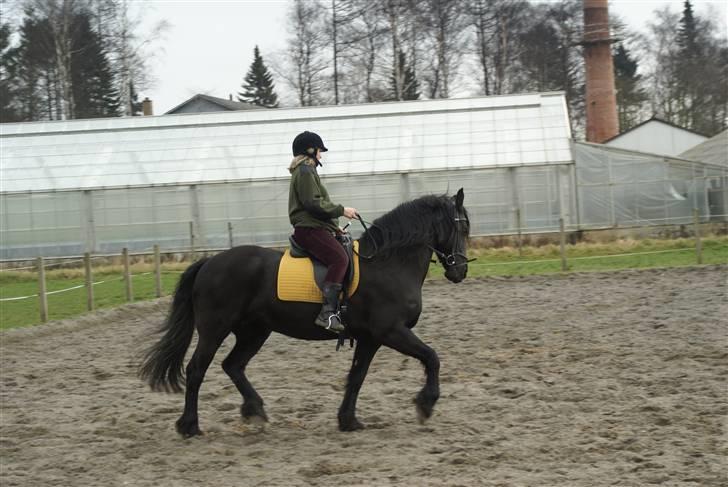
(520, 239)
(157, 271)
(698, 241)
(127, 274)
(89, 282)
(192, 238)
(230, 234)
(562, 244)
(42, 297)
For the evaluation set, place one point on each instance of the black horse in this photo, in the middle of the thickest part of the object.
(235, 292)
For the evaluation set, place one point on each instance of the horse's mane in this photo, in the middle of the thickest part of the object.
(417, 222)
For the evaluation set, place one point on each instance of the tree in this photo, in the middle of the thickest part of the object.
(38, 88)
(443, 21)
(688, 70)
(409, 83)
(481, 17)
(92, 80)
(364, 37)
(500, 27)
(137, 107)
(551, 59)
(395, 11)
(631, 97)
(32, 70)
(305, 63)
(129, 50)
(9, 87)
(258, 88)
(59, 16)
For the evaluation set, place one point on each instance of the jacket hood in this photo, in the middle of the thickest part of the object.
(298, 160)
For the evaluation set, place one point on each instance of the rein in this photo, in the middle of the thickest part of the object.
(366, 232)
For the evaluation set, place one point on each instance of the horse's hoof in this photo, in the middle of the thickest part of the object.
(255, 420)
(188, 429)
(350, 425)
(424, 409)
(253, 413)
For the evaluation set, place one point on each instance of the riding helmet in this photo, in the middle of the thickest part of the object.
(305, 141)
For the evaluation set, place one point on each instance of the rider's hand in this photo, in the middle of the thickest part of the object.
(350, 213)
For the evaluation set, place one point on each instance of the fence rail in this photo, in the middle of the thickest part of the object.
(41, 265)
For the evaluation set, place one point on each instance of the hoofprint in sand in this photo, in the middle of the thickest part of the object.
(586, 379)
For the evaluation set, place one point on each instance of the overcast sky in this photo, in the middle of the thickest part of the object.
(209, 45)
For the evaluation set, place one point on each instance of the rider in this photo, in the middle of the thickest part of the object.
(315, 219)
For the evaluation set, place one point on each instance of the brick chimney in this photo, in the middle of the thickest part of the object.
(601, 100)
(147, 108)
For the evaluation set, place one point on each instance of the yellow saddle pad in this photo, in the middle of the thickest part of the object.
(296, 281)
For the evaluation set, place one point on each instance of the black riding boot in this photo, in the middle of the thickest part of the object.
(328, 317)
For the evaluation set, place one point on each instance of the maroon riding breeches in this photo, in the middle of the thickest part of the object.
(324, 247)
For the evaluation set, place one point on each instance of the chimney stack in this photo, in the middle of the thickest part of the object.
(601, 100)
(147, 108)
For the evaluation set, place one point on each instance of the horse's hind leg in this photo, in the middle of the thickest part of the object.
(207, 345)
(247, 344)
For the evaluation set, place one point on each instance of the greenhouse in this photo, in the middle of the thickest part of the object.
(211, 180)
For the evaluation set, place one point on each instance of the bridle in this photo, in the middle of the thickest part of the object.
(450, 260)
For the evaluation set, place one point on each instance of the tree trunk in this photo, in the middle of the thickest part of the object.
(336, 55)
(396, 69)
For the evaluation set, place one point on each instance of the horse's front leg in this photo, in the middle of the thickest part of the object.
(363, 355)
(403, 340)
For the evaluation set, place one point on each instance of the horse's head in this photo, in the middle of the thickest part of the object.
(452, 248)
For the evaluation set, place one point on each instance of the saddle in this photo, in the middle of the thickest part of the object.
(301, 277)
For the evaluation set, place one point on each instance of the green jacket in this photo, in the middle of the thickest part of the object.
(308, 201)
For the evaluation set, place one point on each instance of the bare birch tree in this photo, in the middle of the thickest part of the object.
(130, 51)
(395, 12)
(306, 58)
(361, 48)
(60, 15)
(444, 22)
(481, 14)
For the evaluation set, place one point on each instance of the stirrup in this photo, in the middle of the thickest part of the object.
(330, 323)
(338, 318)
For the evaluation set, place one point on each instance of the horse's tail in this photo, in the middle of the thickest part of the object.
(162, 366)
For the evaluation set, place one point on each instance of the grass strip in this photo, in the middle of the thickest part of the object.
(503, 261)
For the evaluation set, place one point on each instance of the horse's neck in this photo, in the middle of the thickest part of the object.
(414, 261)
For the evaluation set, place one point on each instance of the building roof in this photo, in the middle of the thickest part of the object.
(221, 102)
(712, 151)
(653, 119)
(245, 145)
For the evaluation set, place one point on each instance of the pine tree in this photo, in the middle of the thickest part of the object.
(93, 82)
(689, 70)
(691, 99)
(33, 71)
(630, 96)
(409, 84)
(258, 88)
(688, 34)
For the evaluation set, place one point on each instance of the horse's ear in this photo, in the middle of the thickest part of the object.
(459, 198)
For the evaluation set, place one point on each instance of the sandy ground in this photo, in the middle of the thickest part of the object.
(590, 379)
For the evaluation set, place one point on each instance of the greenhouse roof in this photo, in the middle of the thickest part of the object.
(712, 151)
(629, 154)
(431, 135)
